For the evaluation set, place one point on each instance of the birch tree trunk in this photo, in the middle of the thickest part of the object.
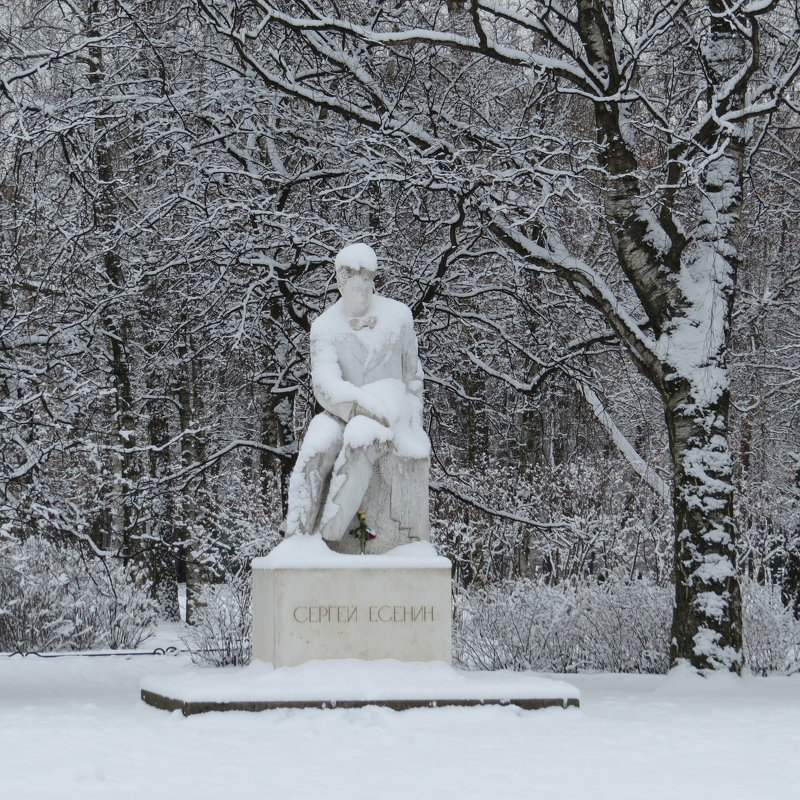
(706, 624)
(105, 206)
(685, 282)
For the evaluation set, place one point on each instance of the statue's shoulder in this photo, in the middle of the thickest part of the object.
(329, 320)
(392, 311)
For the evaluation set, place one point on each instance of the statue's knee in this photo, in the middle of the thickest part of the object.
(321, 444)
(364, 434)
(366, 451)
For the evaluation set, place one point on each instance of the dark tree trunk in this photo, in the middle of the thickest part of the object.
(159, 560)
(277, 431)
(195, 534)
(106, 220)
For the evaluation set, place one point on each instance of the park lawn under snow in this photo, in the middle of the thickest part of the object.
(75, 728)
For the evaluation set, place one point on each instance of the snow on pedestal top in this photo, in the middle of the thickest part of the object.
(311, 552)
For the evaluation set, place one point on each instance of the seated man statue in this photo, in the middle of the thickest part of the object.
(367, 377)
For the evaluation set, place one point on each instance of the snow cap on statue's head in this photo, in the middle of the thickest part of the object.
(357, 257)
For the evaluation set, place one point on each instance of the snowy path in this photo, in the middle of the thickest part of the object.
(75, 728)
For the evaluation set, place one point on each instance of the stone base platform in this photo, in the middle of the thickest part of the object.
(351, 683)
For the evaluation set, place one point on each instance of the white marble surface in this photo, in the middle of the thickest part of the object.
(368, 448)
(308, 607)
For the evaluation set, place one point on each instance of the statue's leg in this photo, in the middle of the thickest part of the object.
(309, 481)
(350, 478)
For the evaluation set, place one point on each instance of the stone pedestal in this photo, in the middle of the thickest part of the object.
(310, 603)
(337, 628)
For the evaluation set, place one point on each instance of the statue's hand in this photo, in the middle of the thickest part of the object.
(372, 414)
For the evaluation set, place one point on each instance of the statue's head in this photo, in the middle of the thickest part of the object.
(356, 266)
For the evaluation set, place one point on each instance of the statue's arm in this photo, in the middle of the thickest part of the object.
(337, 396)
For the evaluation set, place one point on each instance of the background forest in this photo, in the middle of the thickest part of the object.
(175, 179)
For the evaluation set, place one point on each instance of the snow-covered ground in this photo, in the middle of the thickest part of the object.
(75, 728)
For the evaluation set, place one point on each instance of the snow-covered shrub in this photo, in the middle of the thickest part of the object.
(220, 631)
(56, 597)
(771, 631)
(36, 611)
(220, 635)
(625, 625)
(617, 625)
(614, 625)
(125, 613)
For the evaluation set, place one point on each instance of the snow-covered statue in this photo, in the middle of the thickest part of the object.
(367, 451)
